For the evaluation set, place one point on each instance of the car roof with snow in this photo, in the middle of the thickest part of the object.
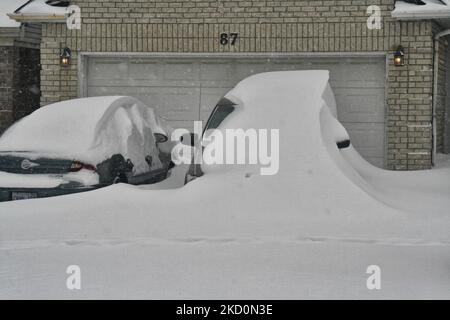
(86, 129)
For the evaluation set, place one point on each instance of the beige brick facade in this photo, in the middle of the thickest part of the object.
(334, 26)
(441, 95)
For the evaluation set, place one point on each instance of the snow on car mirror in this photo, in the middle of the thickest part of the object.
(343, 144)
(189, 139)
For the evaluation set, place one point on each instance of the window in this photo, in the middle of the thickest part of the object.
(223, 109)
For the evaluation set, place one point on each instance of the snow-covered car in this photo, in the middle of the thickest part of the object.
(311, 231)
(226, 106)
(83, 144)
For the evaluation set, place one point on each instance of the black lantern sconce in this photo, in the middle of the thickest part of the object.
(399, 57)
(65, 57)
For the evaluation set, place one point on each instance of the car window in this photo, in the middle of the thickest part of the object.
(223, 109)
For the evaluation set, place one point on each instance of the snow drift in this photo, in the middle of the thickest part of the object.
(310, 231)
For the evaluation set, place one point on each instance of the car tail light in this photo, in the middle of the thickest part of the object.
(77, 166)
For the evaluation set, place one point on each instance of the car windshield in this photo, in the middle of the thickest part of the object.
(223, 109)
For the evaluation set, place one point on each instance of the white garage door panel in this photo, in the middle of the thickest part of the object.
(186, 89)
(243, 70)
(363, 106)
(109, 70)
(216, 71)
(209, 100)
(172, 103)
(369, 141)
(145, 71)
(181, 71)
(366, 136)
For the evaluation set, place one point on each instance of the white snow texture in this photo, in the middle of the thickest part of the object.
(309, 232)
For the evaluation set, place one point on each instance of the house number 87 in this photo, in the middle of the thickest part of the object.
(226, 38)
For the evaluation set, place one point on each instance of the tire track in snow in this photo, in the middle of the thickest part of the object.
(31, 244)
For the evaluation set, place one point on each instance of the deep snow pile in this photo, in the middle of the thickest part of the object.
(414, 191)
(90, 130)
(309, 231)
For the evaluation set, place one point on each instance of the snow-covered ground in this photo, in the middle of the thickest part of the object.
(309, 231)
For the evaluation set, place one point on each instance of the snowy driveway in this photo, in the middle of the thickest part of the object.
(310, 231)
(224, 269)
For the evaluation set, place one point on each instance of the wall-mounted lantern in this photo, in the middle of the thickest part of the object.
(399, 57)
(65, 57)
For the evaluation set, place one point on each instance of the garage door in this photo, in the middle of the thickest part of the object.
(186, 89)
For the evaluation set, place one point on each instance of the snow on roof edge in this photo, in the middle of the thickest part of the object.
(433, 9)
(420, 15)
(40, 7)
(39, 11)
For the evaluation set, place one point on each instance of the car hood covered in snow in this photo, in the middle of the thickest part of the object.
(309, 231)
(89, 130)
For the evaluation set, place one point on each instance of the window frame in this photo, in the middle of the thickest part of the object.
(224, 102)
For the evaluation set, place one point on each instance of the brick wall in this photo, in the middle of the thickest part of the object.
(264, 26)
(441, 94)
(6, 86)
(26, 93)
(447, 106)
(226, 11)
(19, 83)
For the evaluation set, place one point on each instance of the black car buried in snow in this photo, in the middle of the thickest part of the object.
(81, 145)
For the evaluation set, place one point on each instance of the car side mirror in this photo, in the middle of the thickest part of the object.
(160, 138)
(343, 144)
(189, 139)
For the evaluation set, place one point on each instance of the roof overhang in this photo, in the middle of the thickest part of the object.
(433, 10)
(418, 15)
(443, 20)
(38, 17)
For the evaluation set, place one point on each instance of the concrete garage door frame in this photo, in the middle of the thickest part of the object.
(83, 65)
